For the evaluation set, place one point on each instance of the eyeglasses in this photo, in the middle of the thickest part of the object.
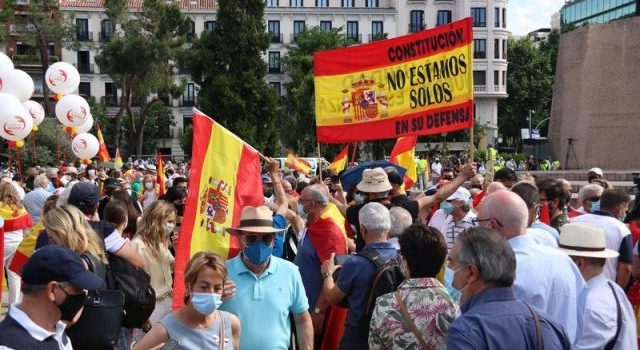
(477, 221)
(250, 238)
(593, 199)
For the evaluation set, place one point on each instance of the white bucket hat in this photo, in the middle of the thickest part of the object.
(578, 239)
(374, 181)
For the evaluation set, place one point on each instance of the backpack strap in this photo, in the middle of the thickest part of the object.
(613, 341)
(372, 256)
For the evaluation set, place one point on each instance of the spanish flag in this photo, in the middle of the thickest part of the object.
(225, 177)
(298, 164)
(340, 161)
(26, 248)
(103, 154)
(118, 160)
(403, 155)
(14, 219)
(161, 180)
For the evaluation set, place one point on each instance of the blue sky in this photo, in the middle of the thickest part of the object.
(524, 16)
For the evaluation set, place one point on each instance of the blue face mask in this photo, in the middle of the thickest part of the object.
(301, 212)
(446, 207)
(258, 252)
(206, 303)
(595, 206)
(358, 198)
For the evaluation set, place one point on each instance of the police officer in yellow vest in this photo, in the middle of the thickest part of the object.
(492, 154)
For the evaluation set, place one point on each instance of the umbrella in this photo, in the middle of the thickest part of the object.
(353, 176)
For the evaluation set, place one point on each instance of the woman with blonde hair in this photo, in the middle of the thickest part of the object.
(16, 224)
(149, 190)
(198, 324)
(152, 243)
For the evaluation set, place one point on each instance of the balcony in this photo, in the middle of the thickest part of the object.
(187, 102)
(109, 101)
(355, 37)
(479, 24)
(84, 36)
(277, 38)
(376, 37)
(479, 54)
(84, 68)
(105, 36)
(18, 29)
(416, 27)
(31, 60)
(275, 68)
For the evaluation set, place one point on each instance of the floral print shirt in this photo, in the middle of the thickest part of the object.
(429, 306)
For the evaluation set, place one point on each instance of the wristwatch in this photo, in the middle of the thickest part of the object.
(326, 274)
(317, 311)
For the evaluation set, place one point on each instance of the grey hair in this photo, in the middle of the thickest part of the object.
(39, 180)
(292, 180)
(32, 289)
(400, 219)
(589, 188)
(489, 251)
(318, 195)
(375, 218)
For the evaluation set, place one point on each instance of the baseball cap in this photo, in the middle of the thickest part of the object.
(111, 182)
(84, 194)
(596, 170)
(57, 263)
(461, 194)
(266, 179)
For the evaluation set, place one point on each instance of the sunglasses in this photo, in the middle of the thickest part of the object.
(253, 238)
(593, 199)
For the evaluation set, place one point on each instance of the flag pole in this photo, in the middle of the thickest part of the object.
(353, 154)
(471, 145)
(319, 161)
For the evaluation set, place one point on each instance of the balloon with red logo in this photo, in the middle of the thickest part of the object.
(17, 83)
(62, 78)
(85, 146)
(36, 110)
(72, 110)
(5, 63)
(88, 124)
(15, 122)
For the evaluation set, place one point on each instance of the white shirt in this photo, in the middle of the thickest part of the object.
(436, 168)
(542, 237)
(601, 317)
(37, 332)
(438, 218)
(450, 229)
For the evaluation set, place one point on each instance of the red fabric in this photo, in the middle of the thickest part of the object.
(1, 259)
(160, 177)
(404, 145)
(572, 213)
(327, 238)
(544, 213)
(635, 231)
(337, 317)
(478, 198)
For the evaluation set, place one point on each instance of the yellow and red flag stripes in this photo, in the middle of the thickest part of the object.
(340, 161)
(118, 160)
(403, 155)
(417, 84)
(26, 248)
(103, 154)
(15, 219)
(160, 177)
(224, 177)
(298, 164)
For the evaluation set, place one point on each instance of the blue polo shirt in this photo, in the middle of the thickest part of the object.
(280, 223)
(263, 303)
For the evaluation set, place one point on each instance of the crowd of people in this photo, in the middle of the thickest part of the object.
(496, 262)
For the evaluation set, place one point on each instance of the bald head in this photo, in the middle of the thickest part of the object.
(495, 187)
(509, 211)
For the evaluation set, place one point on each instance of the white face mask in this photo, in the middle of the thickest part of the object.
(169, 227)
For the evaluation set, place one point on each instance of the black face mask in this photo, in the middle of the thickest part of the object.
(71, 305)
(477, 186)
(267, 193)
(179, 209)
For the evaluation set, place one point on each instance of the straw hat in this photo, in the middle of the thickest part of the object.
(578, 239)
(255, 220)
(374, 181)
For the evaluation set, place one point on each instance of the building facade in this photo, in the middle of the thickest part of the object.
(580, 12)
(362, 20)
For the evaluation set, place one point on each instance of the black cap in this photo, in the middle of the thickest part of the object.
(84, 195)
(56, 263)
(111, 182)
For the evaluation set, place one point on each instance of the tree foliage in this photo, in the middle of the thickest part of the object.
(227, 64)
(141, 58)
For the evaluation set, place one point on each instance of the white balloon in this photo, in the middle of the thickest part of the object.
(18, 83)
(5, 63)
(36, 110)
(62, 78)
(72, 110)
(8, 99)
(88, 124)
(85, 146)
(15, 122)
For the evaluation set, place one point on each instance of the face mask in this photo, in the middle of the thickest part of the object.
(129, 191)
(595, 206)
(446, 207)
(300, 210)
(267, 193)
(148, 185)
(67, 177)
(477, 186)
(258, 252)
(206, 303)
(179, 209)
(453, 277)
(169, 227)
(71, 305)
(358, 198)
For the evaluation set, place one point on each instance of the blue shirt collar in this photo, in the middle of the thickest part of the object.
(488, 295)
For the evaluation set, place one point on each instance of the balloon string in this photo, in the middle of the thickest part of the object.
(18, 151)
(9, 153)
(57, 146)
(35, 148)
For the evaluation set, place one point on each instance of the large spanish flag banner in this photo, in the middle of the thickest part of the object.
(224, 177)
(417, 84)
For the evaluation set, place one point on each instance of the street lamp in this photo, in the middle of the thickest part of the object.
(534, 112)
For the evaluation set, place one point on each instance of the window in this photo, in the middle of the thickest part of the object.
(372, 3)
(352, 31)
(84, 89)
(479, 77)
(274, 62)
(504, 78)
(496, 77)
(326, 26)
(417, 21)
(191, 33)
(82, 30)
(295, 3)
(110, 95)
(377, 30)
(209, 26)
(504, 18)
(189, 95)
(479, 15)
(496, 17)
(274, 31)
(83, 65)
(106, 30)
(479, 48)
(504, 49)
(496, 48)
(322, 3)
(298, 27)
(348, 3)
(276, 86)
(444, 17)
(272, 3)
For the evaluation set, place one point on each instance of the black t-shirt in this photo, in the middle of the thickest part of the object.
(411, 205)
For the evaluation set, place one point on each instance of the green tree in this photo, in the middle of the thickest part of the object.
(298, 128)
(141, 59)
(227, 64)
(186, 140)
(36, 25)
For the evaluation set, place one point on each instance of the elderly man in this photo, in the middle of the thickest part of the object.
(400, 219)
(324, 235)
(609, 319)
(459, 215)
(589, 197)
(613, 207)
(492, 316)
(268, 288)
(545, 277)
(34, 200)
(55, 284)
(357, 272)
